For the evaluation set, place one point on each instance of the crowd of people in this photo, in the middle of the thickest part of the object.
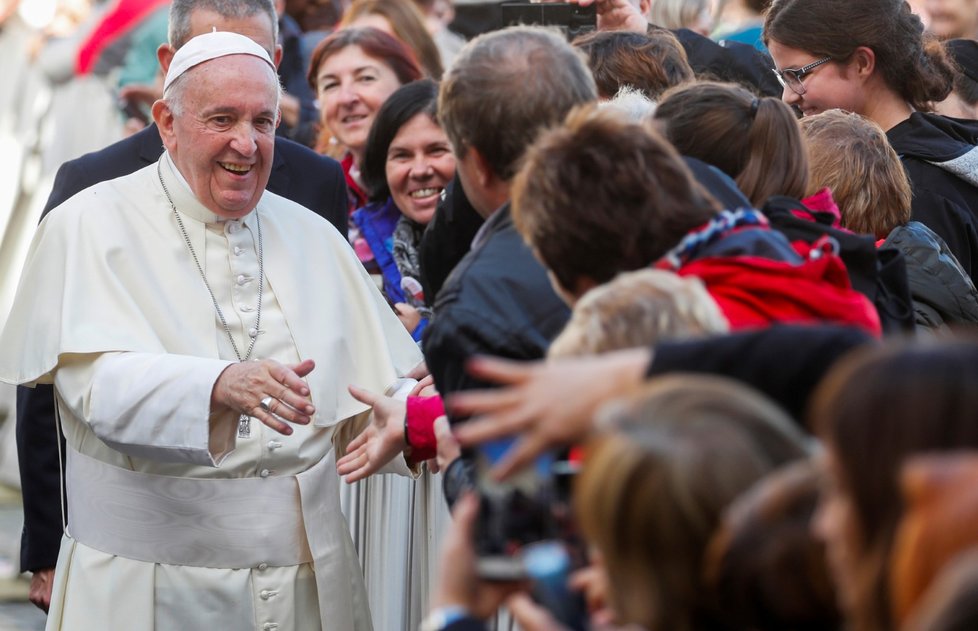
(350, 323)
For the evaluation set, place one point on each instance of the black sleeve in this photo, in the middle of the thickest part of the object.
(447, 239)
(785, 362)
(337, 212)
(68, 181)
(40, 477)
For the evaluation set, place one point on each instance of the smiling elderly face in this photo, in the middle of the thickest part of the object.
(219, 128)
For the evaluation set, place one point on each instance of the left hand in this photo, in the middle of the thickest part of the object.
(409, 316)
(424, 388)
(458, 583)
(380, 442)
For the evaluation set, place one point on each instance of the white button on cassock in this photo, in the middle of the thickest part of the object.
(242, 279)
(262, 566)
(265, 473)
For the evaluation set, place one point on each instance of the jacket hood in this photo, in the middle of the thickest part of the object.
(942, 292)
(948, 143)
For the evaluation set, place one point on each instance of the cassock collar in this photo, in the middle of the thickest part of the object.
(185, 200)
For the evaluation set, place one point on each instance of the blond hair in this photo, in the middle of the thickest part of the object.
(638, 309)
(851, 155)
(653, 489)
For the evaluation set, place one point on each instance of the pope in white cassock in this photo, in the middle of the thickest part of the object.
(179, 312)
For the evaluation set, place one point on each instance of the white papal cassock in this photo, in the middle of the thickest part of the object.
(171, 527)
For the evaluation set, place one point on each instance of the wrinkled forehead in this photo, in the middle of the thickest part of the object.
(236, 81)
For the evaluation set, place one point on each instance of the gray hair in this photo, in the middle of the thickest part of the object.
(632, 104)
(175, 93)
(181, 10)
(506, 86)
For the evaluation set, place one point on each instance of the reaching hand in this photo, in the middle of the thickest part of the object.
(409, 316)
(243, 386)
(547, 404)
(458, 583)
(617, 15)
(448, 449)
(382, 440)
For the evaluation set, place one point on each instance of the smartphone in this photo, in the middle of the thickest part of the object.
(512, 514)
(572, 19)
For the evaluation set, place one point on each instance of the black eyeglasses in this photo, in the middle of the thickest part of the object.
(794, 78)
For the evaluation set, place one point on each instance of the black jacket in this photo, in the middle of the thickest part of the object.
(784, 361)
(942, 292)
(497, 301)
(298, 173)
(941, 159)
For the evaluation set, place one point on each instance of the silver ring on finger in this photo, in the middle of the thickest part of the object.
(266, 404)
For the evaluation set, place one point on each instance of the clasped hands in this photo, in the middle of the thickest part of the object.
(243, 386)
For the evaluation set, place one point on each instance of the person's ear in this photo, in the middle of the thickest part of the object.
(164, 55)
(484, 172)
(863, 62)
(164, 119)
(277, 57)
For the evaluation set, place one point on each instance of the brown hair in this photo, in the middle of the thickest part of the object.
(766, 565)
(875, 409)
(912, 63)
(852, 156)
(754, 140)
(639, 309)
(504, 87)
(408, 25)
(650, 63)
(601, 195)
(376, 44)
(653, 488)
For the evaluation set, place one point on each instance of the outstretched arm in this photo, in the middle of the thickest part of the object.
(545, 403)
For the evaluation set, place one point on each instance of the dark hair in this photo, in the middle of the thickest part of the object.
(765, 564)
(874, 410)
(964, 55)
(754, 140)
(504, 87)
(758, 6)
(601, 195)
(376, 44)
(409, 100)
(912, 63)
(650, 63)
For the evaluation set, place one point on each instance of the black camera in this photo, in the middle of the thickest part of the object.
(573, 19)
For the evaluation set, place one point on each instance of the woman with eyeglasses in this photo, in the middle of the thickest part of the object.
(871, 57)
